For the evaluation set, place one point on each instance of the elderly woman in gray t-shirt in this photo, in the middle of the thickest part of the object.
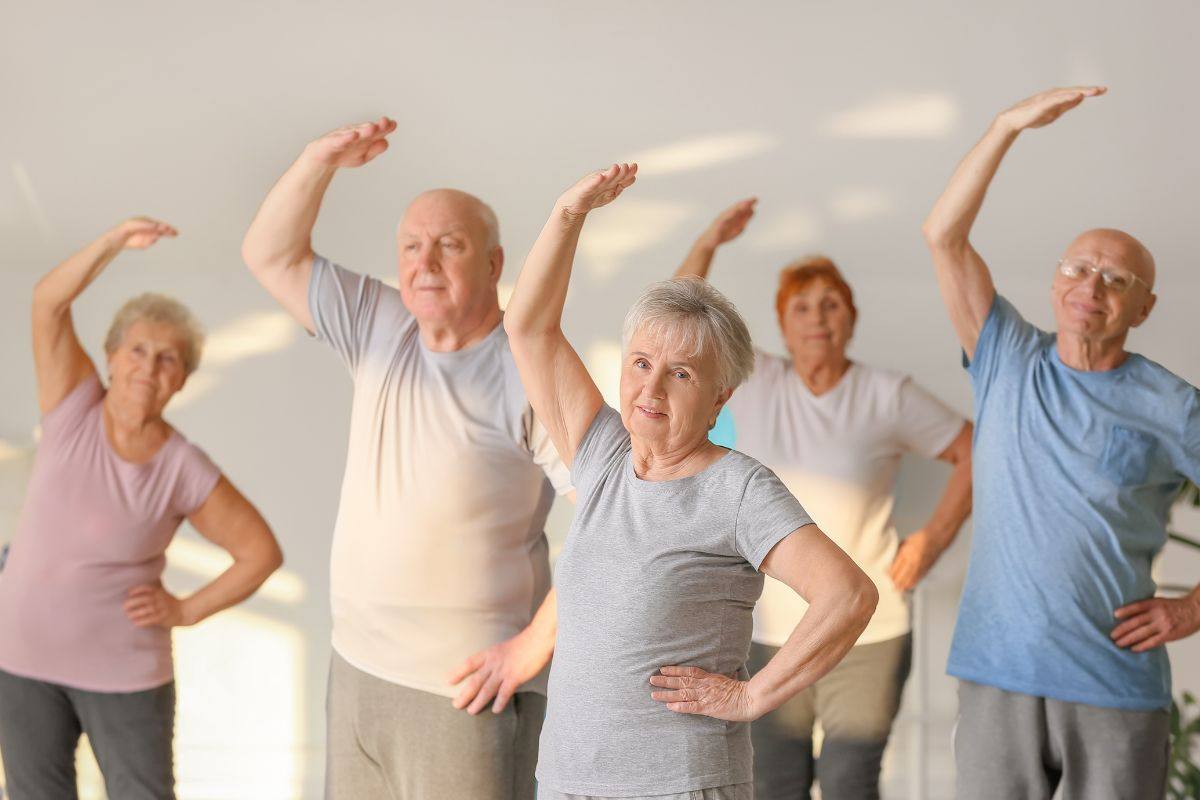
(648, 693)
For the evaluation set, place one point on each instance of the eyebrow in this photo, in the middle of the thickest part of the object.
(689, 364)
(455, 229)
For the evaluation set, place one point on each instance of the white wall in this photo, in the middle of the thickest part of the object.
(844, 118)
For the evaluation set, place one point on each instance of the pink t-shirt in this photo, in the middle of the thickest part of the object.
(93, 527)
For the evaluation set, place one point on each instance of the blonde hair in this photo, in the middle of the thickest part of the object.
(151, 307)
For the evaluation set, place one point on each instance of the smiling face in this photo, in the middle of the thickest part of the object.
(147, 366)
(816, 322)
(670, 397)
(449, 261)
(1084, 306)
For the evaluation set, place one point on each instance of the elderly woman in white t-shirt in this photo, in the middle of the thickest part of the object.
(834, 431)
(657, 581)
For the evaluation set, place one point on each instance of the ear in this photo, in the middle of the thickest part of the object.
(1147, 307)
(496, 262)
(722, 399)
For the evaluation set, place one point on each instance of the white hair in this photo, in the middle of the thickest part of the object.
(691, 313)
(151, 307)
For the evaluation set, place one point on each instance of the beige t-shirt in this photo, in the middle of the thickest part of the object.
(439, 548)
(839, 454)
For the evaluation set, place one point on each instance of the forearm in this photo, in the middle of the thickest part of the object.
(953, 508)
(281, 233)
(699, 260)
(949, 223)
(824, 635)
(537, 302)
(55, 292)
(543, 628)
(232, 586)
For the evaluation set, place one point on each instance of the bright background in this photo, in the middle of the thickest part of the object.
(844, 118)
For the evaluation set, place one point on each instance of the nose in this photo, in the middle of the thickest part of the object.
(427, 258)
(1094, 284)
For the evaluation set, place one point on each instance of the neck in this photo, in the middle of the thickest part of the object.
(444, 337)
(654, 463)
(1091, 354)
(820, 373)
(130, 422)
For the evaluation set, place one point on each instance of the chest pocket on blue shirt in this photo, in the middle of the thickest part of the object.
(1127, 456)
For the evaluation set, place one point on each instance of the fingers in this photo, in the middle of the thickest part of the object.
(507, 690)
(1139, 634)
(682, 672)
(469, 690)
(466, 668)
(485, 694)
(1133, 608)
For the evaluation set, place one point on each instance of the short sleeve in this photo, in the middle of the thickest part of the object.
(72, 409)
(1190, 468)
(545, 455)
(198, 476)
(924, 424)
(606, 440)
(1005, 336)
(343, 305)
(766, 516)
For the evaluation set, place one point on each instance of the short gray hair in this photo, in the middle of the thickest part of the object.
(151, 307)
(694, 314)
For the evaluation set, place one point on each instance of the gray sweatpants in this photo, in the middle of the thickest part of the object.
(1010, 745)
(130, 733)
(390, 742)
(856, 702)
(740, 791)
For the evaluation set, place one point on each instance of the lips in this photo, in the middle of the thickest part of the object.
(650, 413)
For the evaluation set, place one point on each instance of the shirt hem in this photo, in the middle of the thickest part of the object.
(84, 686)
(444, 690)
(696, 784)
(1084, 698)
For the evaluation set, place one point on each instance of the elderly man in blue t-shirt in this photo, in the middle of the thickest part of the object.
(1080, 449)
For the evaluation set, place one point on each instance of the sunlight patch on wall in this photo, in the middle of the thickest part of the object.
(629, 226)
(856, 204)
(603, 361)
(793, 229)
(928, 115)
(25, 186)
(704, 151)
(254, 334)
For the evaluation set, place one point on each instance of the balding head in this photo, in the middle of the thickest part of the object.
(1109, 246)
(454, 203)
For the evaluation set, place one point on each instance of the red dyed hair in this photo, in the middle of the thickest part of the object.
(799, 275)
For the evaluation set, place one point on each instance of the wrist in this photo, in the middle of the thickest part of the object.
(1001, 126)
(757, 699)
(188, 613)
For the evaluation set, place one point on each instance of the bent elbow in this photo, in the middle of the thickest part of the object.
(864, 599)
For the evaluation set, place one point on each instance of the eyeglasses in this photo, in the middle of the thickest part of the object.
(1115, 278)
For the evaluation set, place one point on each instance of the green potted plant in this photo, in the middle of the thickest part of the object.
(1183, 774)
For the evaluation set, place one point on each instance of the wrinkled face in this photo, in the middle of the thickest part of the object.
(669, 397)
(448, 272)
(817, 322)
(1084, 306)
(147, 367)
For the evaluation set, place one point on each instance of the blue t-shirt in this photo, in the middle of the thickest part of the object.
(1075, 473)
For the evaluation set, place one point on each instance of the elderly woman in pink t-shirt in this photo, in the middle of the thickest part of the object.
(85, 622)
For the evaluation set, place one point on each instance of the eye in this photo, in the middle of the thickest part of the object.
(411, 247)
(1115, 280)
(683, 376)
(641, 363)
(451, 244)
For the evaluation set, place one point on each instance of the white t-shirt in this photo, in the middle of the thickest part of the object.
(839, 454)
(439, 548)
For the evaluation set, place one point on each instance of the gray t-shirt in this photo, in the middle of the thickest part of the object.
(654, 573)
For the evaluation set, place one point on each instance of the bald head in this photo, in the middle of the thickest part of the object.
(1111, 246)
(453, 204)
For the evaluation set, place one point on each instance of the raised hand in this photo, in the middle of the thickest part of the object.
(597, 189)
(730, 223)
(691, 690)
(151, 604)
(1045, 107)
(353, 145)
(138, 233)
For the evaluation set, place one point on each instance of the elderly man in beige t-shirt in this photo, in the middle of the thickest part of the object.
(440, 574)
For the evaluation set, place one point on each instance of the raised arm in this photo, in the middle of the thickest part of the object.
(964, 278)
(59, 359)
(728, 225)
(841, 600)
(228, 520)
(560, 390)
(278, 246)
